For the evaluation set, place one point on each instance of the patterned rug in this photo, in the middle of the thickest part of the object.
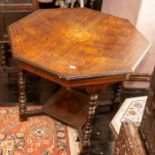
(40, 135)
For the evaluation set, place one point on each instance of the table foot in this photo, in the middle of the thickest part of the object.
(22, 117)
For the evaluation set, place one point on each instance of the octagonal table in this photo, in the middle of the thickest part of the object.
(75, 48)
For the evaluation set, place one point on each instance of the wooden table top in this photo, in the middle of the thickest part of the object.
(77, 43)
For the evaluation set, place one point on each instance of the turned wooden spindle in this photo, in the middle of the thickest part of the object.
(88, 125)
(93, 91)
(3, 56)
(118, 95)
(22, 95)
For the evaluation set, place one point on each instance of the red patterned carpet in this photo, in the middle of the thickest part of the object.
(40, 135)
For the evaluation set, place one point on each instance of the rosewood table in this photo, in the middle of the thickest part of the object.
(75, 48)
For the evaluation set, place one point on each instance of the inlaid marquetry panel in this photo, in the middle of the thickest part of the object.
(78, 43)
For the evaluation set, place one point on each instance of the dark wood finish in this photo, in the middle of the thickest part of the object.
(145, 77)
(87, 49)
(87, 129)
(11, 11)
(3, 56)
(35, 112)
(1, 25)
(105, 42)
(118, 95)
(22, 95)
(69, 106)
(136, 84)
(73, 83)
(148, 122)
(129, 141)
(133, 140)
(88, 126)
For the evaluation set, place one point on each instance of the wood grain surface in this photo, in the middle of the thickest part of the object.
(77, 43)
(129, 141)
(148, 121)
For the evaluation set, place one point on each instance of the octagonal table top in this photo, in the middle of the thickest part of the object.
(77, 43)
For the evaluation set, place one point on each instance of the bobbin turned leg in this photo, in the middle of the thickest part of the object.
(22, 96)
(3, 56)
(118, 95)
(88, 126)
(86, 138)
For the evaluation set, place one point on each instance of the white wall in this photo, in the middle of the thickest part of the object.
(146, 19)
(146, 25)
(123, 8)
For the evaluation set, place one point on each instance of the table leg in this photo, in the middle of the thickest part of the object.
(86, 139)
(3, 56)
(118, 94)
(88, 126)
(22, 95)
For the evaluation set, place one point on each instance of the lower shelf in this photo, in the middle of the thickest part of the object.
(68, 106)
